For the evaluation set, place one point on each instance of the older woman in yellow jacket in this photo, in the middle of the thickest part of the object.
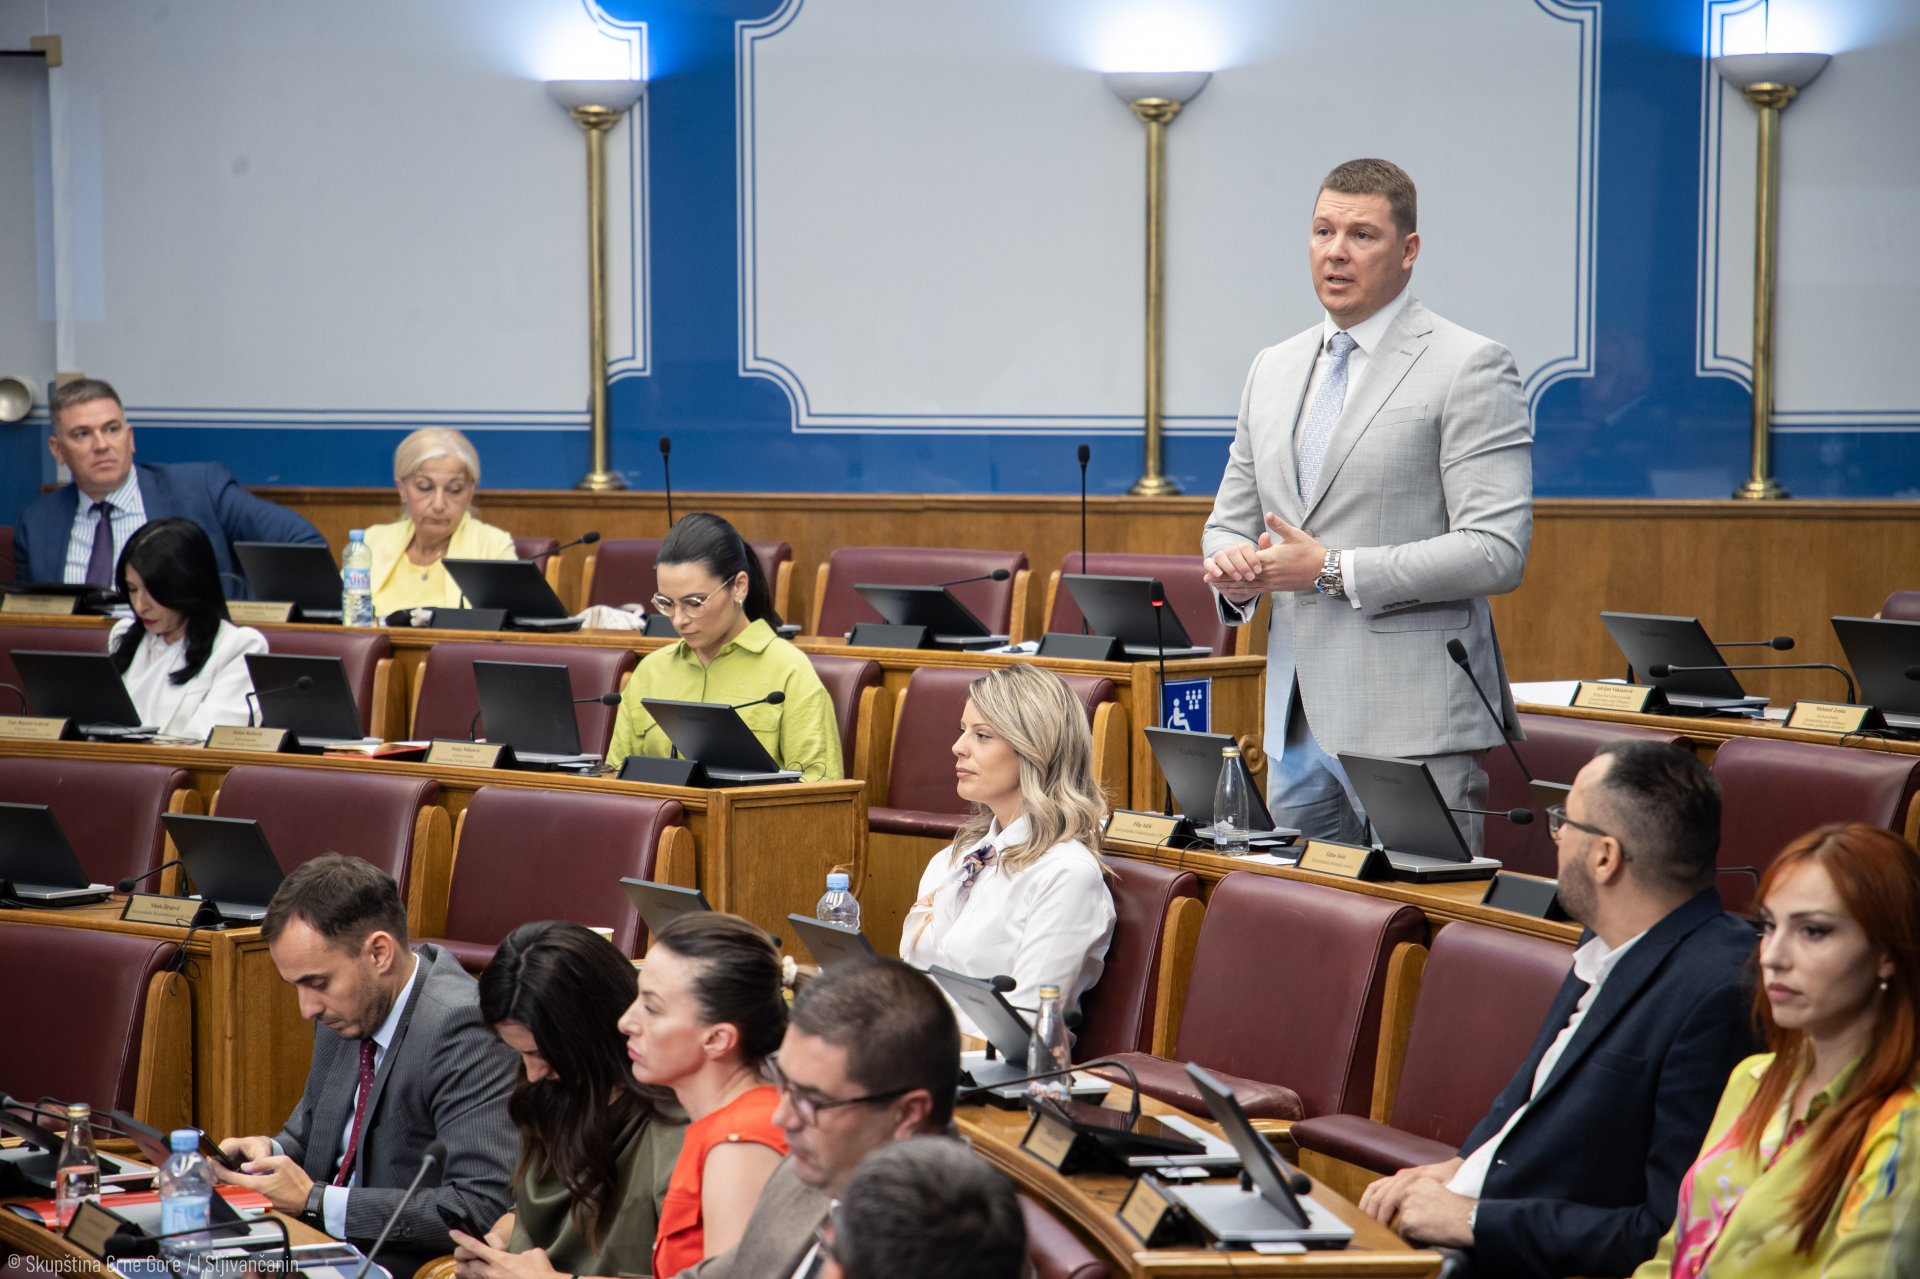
(436, 471)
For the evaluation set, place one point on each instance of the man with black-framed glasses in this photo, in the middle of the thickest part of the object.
(1576, 1169)
(871, 1057)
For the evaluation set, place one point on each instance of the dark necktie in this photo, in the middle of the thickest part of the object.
(359, 1113)
(100, 558)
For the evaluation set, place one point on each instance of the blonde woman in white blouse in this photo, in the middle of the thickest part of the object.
(182, 660)
(1021, 891)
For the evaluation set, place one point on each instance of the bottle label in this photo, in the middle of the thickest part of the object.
(184, 1212)
(357, 577)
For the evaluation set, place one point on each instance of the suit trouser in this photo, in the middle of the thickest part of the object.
(1307, 789)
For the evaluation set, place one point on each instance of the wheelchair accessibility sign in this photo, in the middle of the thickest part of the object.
(1187, 704)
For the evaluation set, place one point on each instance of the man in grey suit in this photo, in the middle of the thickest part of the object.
(1380, 488)
(401, 1058)
(871, 1056)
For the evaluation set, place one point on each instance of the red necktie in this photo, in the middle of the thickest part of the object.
(359, 1112)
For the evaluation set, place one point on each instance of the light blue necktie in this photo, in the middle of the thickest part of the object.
(1323, 413)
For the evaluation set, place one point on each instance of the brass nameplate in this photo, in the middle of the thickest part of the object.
(247, 612)
(1829, 717)
(1049, 1140)
(1144, 1210)
(152, 908)
(40, 605)
(234, 737)
(1595, 696)
(465, 754)
(1141, 828)
(1343, 860)
(33, 728)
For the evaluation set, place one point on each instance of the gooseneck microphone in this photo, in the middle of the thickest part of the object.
(1133, 1082)
(771, 699)
(666, 475)
(1085, 455)
(1780, 642)
(1518, 816)
(1662, 670)
(254, 712)
(1458, 652)
(435, 1156)
(998, 575)
(126, 885)
(18, 692)
(585, 539)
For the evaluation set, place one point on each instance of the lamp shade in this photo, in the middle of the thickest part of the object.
(614, 95)
(1793, 70)
(1174, 86)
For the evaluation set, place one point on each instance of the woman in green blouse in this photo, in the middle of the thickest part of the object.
(1811, 1164)
(596, 1148)
(712, 587)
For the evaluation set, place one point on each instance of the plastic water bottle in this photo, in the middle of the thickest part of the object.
(1047, 1048)
(1232, 806)
(186, 1201)
(838, 905)
(356, 581)
(77, 1178)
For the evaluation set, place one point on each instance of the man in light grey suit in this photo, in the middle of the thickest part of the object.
(871, 1056)
(401, 1058)
(1380, 488)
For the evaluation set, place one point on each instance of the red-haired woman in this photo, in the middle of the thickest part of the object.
(1812, 1163)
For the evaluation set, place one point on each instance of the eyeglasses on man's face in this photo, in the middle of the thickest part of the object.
(809, 1105)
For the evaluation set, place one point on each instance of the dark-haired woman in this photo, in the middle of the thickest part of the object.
(596, 1146)
(709, 1012)
(182, 660)
(1812, 1165)
(712, 587)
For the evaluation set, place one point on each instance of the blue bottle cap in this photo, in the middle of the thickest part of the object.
(183, 1140)
(837, 882)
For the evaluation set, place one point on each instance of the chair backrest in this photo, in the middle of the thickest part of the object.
(305, 812)
(1772, 792)
(60, 639)
(1482, 998)
(1556, 748)
(1320, 956)
(838, 607)
(847, 679)
(110, 813)
(537, 549)
(1053, 1250)
(502, 879)
(75, 1034)
(6, 553)
(1117, 1013)
(920, 775)
(360, 652)
(622, 571)
(1901, 606)
(446, 702)
(1188, 595)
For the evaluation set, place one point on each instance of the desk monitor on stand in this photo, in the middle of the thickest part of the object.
(943, 620)
(1123, 608)
(229, 861)
(516, 586)
(1648, 640)
(1411, 821)
(300, 573)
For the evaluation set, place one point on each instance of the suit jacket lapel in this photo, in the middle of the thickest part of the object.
(391, 1056)
(1403, 343)
(152, 499)
(331, 1109)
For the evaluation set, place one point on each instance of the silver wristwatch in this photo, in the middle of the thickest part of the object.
(1330, 582)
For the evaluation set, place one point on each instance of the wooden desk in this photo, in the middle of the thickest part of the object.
(22, 1238)
(1090, 1203)
(251, 1046)
(1709, 731)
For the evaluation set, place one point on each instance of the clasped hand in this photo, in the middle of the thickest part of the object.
(1417, 1203)
(1285, 559)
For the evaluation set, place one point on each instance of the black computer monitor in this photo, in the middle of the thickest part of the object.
(1123, 608)
(947, 620)
(1648, 640)
(529, 706)
(229, 861)
(39, 863)
(999, 1023)
(660, 904)
(1278, 1210)
(82, 687)
(713, 734)
(1411, 820)
(830, 943)
(1191, 764)
(1881, 653)
(302, 574)
(322, 710)
(517, 586)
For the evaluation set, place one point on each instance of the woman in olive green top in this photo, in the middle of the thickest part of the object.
(714, 590)
(596, 1148)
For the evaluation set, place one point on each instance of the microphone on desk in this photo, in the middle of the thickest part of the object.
(435, 1156)
(1780, 642)
(666, 475)
(21, 693)
(126, 885)
(1133, 1082)
(1662, 670)
(771, 699)
(1458, 652)
(254, 712)
(1518, 816)
(1086, 455)
(133, 1243)
(585, 539)
(998, 575)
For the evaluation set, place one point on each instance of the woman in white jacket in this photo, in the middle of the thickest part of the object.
(182, 660)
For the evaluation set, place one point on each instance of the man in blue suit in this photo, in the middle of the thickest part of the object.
(1577, 1168)
(61, 539)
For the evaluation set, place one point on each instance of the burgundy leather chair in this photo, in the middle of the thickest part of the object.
(1773, 792)
(853, 683)
(1053, 1250)
(1481, 1002)
(446, 702)
(1555, 749)
(1901, 606)
(110, 813)
(920, 785)
(1320, 958)
(59, 639)
(621, 571)
(501, 880)
(1189, 597)
(75, 1032)
(305, 812)
(1117, 1014)
(838, 607)
(366, 655)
